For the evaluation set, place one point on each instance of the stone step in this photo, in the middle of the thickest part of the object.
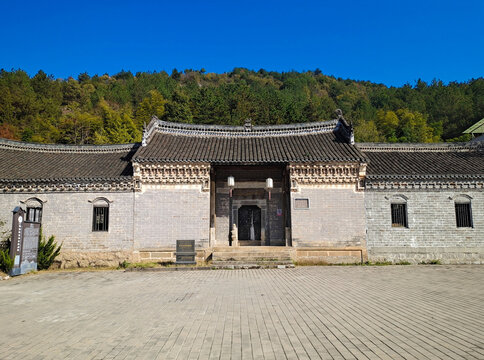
(261, 262)
(272, 249)
(250, 253)
(242, 265)
(240, 256)
(253, 260)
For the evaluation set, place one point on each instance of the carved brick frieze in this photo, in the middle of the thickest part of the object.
(35, 186)
(423, 185)
(327, 173)
(152, 173)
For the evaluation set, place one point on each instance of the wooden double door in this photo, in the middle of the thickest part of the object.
(249, 222)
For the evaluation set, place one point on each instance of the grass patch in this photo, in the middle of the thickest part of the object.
(81, 269)
(310, 262)
(379, 263)
(149, 265)
(431, 262)
(316, 262)
(386, 263)
(143, 265)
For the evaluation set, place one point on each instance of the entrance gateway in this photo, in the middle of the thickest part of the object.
(246, 207)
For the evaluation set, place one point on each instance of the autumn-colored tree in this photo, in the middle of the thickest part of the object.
(8, 131)
(153, 105)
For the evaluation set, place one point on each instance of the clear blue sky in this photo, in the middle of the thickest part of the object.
(391, 41)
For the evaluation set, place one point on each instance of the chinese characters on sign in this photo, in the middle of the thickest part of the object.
(25, 242)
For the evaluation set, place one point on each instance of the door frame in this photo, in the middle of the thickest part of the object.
(262, 204)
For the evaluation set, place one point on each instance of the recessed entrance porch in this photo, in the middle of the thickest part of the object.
(246, 214)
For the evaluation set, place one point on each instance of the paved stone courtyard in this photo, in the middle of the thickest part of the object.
(347, 312)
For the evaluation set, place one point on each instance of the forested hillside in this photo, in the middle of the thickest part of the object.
(112, 109)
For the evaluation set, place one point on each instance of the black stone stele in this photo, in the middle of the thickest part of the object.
(24, 244)
(185, 252)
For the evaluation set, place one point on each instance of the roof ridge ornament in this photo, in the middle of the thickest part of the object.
(248, 124)
(345, 127)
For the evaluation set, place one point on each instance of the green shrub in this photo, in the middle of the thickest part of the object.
(124, 264)
(431, 262)
(48, 251)
(6, 262)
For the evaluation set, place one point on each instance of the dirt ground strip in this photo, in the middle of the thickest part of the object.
(328, 312)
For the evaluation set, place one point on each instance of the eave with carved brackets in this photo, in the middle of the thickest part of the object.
(327, 173)
(172, 174)
(423, 184)
(68, 185)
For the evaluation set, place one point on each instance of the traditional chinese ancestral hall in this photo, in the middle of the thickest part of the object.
(306, 189)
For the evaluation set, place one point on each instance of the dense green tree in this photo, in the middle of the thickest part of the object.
(178, 108)
(107, 109)
(118, 128)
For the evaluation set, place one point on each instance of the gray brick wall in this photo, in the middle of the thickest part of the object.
(68, 216)
(153, 219)
(335, 218)
(432, 232)
(168, 213)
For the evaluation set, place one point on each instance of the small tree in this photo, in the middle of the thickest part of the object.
(6, 262)
(48, 251)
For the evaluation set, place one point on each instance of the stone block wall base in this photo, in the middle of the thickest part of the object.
(168, 255)
(451, 255)
(71, 259)
(329, 255)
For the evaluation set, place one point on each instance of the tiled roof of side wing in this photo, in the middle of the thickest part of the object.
(170, 142)
(59, 162)
(447, 160)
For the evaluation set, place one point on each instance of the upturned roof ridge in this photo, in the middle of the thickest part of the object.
(247, 130)
(62, 148)
(420, 147)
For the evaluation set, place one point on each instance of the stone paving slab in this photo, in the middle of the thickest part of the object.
(347, 312)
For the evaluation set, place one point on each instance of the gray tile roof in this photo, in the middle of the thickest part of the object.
(25, 161)
(169, 142)
(424, 160)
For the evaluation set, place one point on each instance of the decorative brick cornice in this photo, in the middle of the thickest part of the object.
(327, 173)
(423, 184)
(67, 185)
(166, 174)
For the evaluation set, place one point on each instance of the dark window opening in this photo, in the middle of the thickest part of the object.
(100, 221)
(34, 214)
(399, 215)
(463, 215)
(301, 203)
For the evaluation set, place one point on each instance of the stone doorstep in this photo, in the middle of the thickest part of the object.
(169, 255)
(252, 262)
(237, 266)
(250, 254)
(327, 253)
(217, 267)
(252, 249)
